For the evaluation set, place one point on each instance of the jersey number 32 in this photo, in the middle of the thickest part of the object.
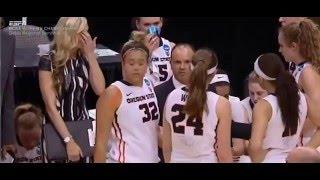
(150, 110)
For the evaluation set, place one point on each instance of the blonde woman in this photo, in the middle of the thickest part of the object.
(256, 93)
(65, 74)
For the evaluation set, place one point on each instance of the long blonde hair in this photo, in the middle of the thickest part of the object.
(65, 44)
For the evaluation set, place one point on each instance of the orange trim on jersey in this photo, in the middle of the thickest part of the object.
(121, 142)
(115, 130)
(216, 140)
(124, 145)
(118, 136)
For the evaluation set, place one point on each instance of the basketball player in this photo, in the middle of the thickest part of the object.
(256, 92)
(197, 122)
(278, 118)
(160, 48)
(127, 113)
(299, 45)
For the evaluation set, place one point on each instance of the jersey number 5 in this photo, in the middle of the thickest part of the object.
(163, 72)
(151, 115)
(196, 122)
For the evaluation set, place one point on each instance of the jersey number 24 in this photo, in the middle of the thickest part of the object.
(196, 122)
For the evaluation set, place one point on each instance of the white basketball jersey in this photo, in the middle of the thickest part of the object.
(280, 146)
(192, 140)
(134, 134)
(296, 72)
(248, 109)
(159, 67)
(236, 109)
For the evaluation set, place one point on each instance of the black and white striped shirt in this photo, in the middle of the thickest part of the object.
(71, 102)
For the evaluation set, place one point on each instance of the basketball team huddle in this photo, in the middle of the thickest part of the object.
(191, 115)
(174, 103)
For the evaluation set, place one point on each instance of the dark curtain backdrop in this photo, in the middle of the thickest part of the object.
(238, 41)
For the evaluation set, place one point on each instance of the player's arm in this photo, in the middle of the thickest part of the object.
(166, 136)
(223, 144)
(309, 80)
(107, 104)
(261, 115)
(166, 140)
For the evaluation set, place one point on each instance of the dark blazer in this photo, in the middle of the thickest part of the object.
(162, 91)
(7, 132)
